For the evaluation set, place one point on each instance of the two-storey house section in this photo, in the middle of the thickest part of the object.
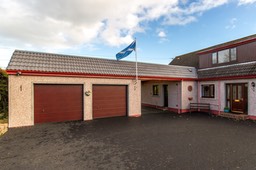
(227, 77)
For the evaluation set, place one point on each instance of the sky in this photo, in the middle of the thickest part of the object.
(101, 28)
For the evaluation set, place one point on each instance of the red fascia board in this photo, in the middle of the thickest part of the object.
(166, 78)
(222, 47)
(228, 78)
(61, 74)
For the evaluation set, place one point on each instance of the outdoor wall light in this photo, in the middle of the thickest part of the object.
(253, 86)
(18, 73)
(87, 93)
(190, 70)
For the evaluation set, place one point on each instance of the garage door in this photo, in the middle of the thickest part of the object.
(109, 101)
(57, 103)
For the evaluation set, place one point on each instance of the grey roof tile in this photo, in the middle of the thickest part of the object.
(37, 61)
(241, 69)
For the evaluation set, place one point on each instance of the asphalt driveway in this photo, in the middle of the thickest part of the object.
(159, 140)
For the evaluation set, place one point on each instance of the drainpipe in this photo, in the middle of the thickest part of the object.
(198, 91)
(219, 97)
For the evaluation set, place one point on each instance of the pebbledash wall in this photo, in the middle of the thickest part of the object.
(179, 95)
(219, 101)
(21, 93)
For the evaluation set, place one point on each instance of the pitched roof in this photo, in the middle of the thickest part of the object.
(228, 44)
(58, 63)
(190, 59)
(235, 70)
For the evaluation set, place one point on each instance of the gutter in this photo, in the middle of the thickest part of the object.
(84, 75)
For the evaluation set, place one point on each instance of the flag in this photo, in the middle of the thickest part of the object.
(125, 52)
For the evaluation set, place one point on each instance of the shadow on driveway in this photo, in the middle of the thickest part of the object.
(162, 140)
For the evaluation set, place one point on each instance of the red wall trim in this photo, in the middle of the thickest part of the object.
(151, 105)
(61, 74)
(175, 110)
(252, 117)
(222, 47)
(228, 78)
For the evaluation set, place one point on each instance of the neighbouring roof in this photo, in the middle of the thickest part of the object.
(58, 63)
(235, 70)
(190, 59)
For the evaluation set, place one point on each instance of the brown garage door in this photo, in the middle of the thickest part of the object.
(109, 101)
(57, 103)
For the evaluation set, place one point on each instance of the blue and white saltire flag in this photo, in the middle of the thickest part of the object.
(125, 52)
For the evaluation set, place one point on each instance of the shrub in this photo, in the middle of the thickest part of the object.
(3, 93)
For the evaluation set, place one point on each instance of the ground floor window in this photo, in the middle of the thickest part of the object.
(155, 90)
(208, 91)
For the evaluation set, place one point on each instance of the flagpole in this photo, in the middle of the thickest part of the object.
(136, 61)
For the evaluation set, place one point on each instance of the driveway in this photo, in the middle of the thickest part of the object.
(160, 140)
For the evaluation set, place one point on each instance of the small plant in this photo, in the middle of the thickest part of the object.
(226, 109)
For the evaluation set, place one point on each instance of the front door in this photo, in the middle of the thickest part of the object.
(239, 98)
(165, 87)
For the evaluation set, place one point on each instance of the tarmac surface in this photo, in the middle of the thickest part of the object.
(157, 140)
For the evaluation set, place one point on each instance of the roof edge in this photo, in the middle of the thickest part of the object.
(83, 75)
(228, 44)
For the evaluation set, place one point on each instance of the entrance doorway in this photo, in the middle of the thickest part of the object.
(237, 97)
(165, 88)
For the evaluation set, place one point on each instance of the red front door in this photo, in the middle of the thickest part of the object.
(239, 98)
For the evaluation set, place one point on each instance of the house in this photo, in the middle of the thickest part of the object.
(227, 76)
(45, 87)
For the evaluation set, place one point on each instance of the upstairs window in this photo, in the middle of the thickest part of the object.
(224, 56)
(233, 54)
(214, 58)
(155, 90)
(208, 91)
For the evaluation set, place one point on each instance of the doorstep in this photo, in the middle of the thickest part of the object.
(234, 116)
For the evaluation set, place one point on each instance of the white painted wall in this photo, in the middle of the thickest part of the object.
(221, 91)
(186, 94)
(213, 101)
(147, 96)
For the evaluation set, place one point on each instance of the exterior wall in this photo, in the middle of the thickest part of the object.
(188, 96)
(215, 102)
(218, 103)
(174, 92)
(205, 60)
(179, 96)
(21, 96)
(245, 53)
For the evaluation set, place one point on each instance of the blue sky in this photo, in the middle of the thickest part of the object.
(163, 28)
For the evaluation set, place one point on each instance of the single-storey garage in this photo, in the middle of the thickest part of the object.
(46, 87)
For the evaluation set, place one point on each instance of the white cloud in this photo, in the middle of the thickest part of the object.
(232, 24)
(161, 34)
(244, 2)
(62, 24)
